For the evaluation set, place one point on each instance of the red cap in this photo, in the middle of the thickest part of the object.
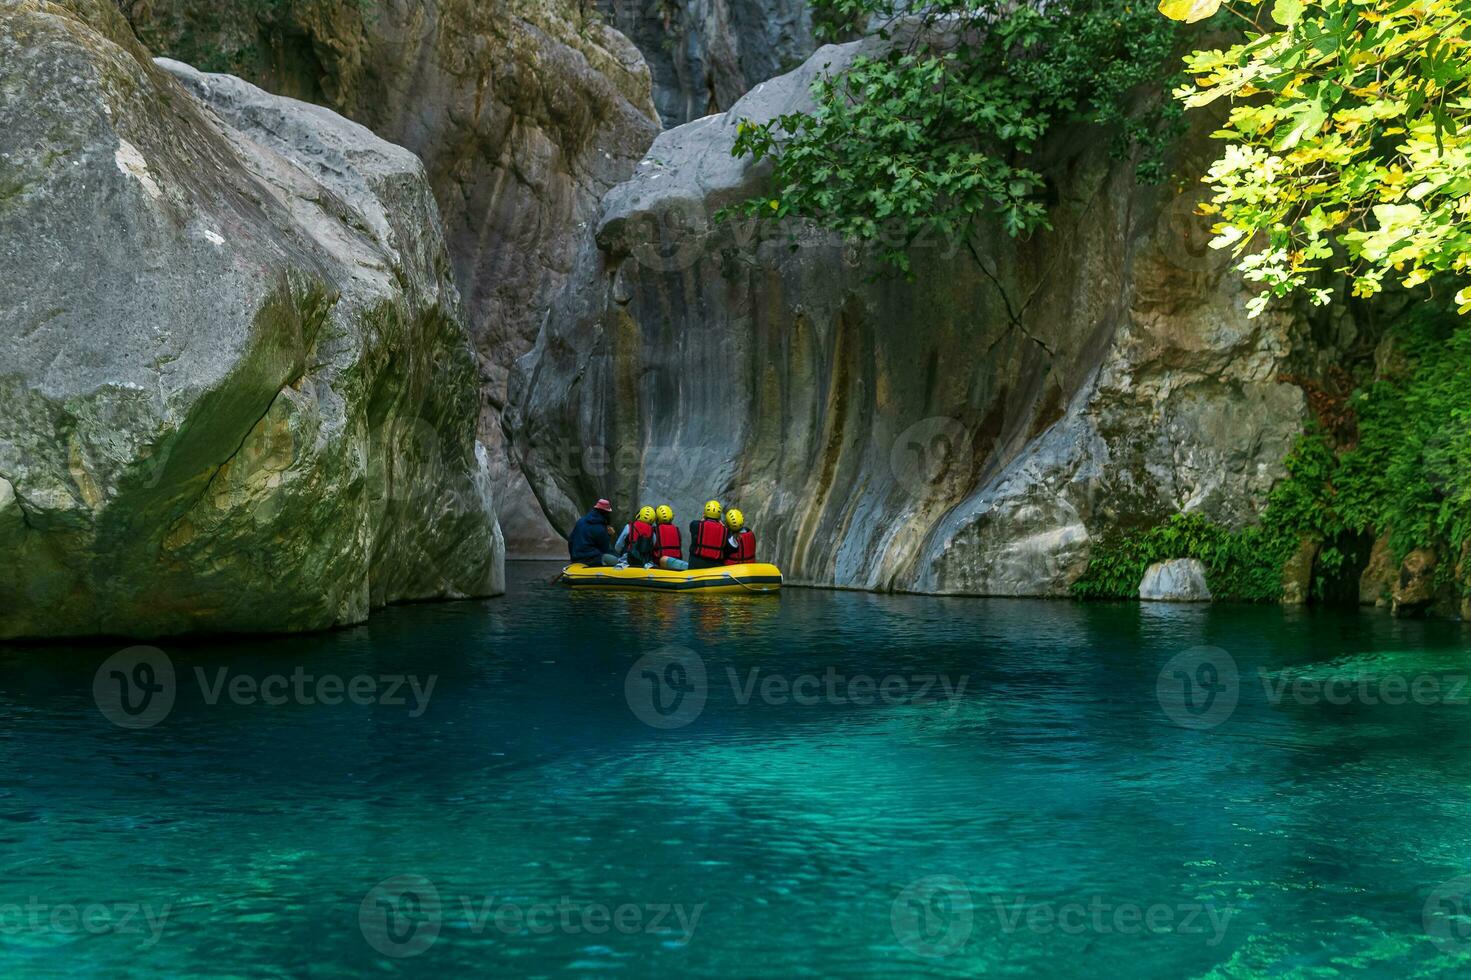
(603, 504)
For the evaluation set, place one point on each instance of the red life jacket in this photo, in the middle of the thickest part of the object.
(744, 550)
(638, 530)
(666, 542)
(709, 540)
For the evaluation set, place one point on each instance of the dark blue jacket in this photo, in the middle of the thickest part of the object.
(589, 538)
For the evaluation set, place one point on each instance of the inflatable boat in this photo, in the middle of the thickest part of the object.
(756, 577)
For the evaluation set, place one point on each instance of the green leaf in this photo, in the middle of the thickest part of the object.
(1288, 12)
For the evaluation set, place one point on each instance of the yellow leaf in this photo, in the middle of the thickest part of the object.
(1189, 11)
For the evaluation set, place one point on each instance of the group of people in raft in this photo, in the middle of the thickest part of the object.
(652, 539)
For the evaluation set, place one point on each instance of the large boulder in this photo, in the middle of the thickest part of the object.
(239, 391)
(525, 112)
(706, 54)
(1176, 580)
(972, 431)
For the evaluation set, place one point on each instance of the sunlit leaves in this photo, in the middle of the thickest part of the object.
(1189, 11)
(1349, 148)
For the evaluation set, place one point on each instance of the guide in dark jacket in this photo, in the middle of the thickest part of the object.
(589, 542)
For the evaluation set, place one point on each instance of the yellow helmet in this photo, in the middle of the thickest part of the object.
(712, 509)
(646, 514)
(734, 519)
(665, 513)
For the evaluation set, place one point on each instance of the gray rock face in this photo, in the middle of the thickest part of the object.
(525, 112)
(706, 54)
(1297, 574)
(240, 395)
(1415, 591)
(1378, 580)
(971, 432)
(1177, 580)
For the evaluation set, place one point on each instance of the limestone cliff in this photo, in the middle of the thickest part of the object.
(525, 112)
(973, 431)
(239, 391)
(706, 54)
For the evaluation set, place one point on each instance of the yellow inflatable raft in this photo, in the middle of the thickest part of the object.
(755, 577)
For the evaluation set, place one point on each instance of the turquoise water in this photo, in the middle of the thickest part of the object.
(1080, 801)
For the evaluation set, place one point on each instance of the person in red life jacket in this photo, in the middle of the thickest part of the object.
(707, 538)
(641, 539)
(740, 546)
(668, 549)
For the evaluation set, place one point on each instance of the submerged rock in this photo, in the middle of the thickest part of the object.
(525, 112)
(1177, 580)
(240, 395)
(970, 432)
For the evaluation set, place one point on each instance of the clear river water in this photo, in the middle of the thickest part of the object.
(824, 784)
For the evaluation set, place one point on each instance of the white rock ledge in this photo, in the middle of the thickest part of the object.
(1177, 580)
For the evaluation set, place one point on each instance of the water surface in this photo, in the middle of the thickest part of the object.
(1043, 815)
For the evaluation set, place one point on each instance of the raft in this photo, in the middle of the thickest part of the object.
(754, 577)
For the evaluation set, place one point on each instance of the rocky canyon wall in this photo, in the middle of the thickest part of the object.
(240, 394)
(974, 431)
(525, 112)
(706, 54)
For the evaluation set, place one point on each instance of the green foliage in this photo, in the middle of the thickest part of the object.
(921, 141)
(1349, 142)
(1241, 565)
(1116, 568)
(1408, 475)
